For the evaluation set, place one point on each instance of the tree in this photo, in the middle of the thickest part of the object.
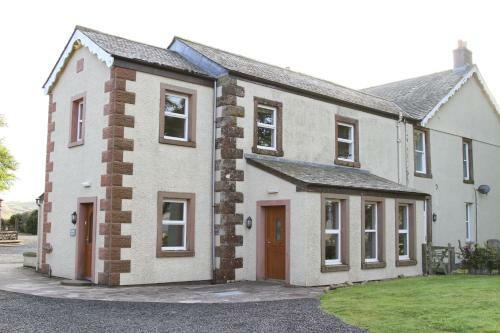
(31, 223)
(7, 163)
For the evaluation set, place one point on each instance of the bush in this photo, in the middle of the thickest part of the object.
(479, 259)
(31, 226)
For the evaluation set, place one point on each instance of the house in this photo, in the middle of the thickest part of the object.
(190, 163)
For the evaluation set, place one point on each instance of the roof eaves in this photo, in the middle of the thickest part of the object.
(78, 36)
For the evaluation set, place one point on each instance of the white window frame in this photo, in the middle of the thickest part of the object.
(465, 153)
(177, 115)
(405, 231)
(348, 141)
(271, 127)
(335, 232)
(374, 231)
(177, 222)
(423, 152)
(79, 122)
(468, 221)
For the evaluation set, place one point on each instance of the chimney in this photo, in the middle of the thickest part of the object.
(462, 56)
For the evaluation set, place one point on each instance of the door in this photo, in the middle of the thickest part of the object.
(85, 240)
(275, 242)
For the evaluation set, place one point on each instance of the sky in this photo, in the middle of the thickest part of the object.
(353, 43)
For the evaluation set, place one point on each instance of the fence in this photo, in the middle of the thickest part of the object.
(8, 235)
(438, 259)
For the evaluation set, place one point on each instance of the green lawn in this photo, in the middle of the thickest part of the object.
(459, 303)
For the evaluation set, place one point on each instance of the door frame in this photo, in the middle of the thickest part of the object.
(79, 234)
(261, 237)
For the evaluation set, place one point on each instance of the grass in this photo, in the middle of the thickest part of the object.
(458, 303)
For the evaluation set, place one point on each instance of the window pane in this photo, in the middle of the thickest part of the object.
(173, 211)
(419, 143)
(420, 159)
(172, 235)
(345, 150)
(403, 217)
(277, 230)
(345, 132)
(265, 137)
(175, 127)
(332, 212)
(370, 245)
(331, 247)
(175, 104)
(403, 244)
(370, 216)
(265, 116)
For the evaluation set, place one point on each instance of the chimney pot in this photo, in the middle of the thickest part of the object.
(462, 56)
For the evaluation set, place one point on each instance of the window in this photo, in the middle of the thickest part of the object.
(77, 129)
(467, 161)
(403, 230)
(177, 115)
(422, 152)
(334, 235)
(405, 233)
(175, 224)
(372, 230)
(346, 141)
(268, 127)
(468, 222)
(332, 232)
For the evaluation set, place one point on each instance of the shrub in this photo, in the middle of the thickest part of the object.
(479, 259)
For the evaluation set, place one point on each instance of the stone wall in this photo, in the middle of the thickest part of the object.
(8, 235)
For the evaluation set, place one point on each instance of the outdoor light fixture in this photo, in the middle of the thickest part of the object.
(248, 222)
(73, 218)
(434, 217)
(484, 189)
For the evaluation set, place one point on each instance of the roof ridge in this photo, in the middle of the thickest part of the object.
(79, 27)
(465, 71)
(286, 69)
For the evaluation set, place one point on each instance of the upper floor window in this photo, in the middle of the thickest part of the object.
(175, 224)
(177, 115)
(372, 230)
(422, 153)
(77, 120)
(346, 141)
(334, 253)
(268, 130)
(467, 160)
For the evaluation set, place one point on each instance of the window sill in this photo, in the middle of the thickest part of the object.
(334, 268)
(75, 144)
(468, 181)
(191, 144)
(260, 151)
(423, 175)
(354, 164)
(408, 262)
(373, 265)
(172, 254)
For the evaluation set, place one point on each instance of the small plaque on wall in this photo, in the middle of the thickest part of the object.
(72, 232)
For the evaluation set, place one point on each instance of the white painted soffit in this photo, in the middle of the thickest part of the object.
(77, 37)
(465, 78)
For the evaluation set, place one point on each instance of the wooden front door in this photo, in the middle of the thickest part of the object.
(86, 240)
(275, 242)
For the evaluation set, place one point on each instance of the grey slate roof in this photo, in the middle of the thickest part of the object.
(325, 175)
(270, 73)
(144, 53)
(418, 96)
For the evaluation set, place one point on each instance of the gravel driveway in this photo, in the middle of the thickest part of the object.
(24, 313)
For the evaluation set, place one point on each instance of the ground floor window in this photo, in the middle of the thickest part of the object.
(405, 232)
(468, 222)
(372, 232)
(334, 233)
(175, 224)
